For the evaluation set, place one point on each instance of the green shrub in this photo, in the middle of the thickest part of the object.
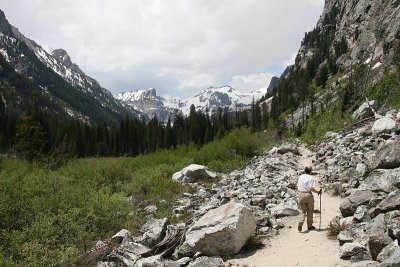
(243, 142)
(51, 217)
(326, 120)
(386, 90)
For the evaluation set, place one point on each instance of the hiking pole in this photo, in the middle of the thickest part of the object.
(320, 209)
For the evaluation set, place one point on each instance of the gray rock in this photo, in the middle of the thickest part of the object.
(391, 202)
(106, 264)
(378, 240)
(153, 261)
(151, 209)
(383, 125)
(128, 254)
(222, 231)
(388, 156)
(350, 204)
(285, 148)
(193, 173)
(184, 261)
(367, 109)
(353, 233)
(354, 252)
(207, 262)
(285, 209)
(392, 220)
(118, 237)
(361, 168)
(154, 231)
(330, 135)
(345, 236)
(382, 181)
(361, 214)
(390, 254)
(348, 175)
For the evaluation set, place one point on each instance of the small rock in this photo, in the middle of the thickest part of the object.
(383, 125)
(354, 252)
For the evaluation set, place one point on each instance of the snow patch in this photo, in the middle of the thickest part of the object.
(4, 54)
(377, 65)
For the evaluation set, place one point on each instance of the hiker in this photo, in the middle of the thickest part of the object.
(307, 184)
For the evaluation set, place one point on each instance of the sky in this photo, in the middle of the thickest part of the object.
(179, 47)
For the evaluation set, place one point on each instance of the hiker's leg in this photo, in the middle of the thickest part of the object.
(303, 208)
(310, 211)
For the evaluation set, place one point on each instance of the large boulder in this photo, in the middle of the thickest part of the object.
(350, 204)
(221, 231)
(366, 110)
(378, 239)
(284, 209)
(118, 237)
(383, 125)
(193, 173)
(391, 202)
(390, 254)
(354, 252)
(127, 254)
(382, 181)
(153, 232)
(353, 233)
(392, 220)
(287, 147)
(388, 156)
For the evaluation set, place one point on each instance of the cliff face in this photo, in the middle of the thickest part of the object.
(371, 29)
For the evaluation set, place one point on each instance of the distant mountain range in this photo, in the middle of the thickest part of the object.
(210, 100)
(61, 87)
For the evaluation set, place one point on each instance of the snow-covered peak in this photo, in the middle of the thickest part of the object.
(62, 56)
(137, 95)
(209, 100)
(213, 98)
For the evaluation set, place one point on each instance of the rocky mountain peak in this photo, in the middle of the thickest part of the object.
(369, 28)
(150, 92)
(5, 26)
(62, 56)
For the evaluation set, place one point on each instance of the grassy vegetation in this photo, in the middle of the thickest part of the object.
(49, 217)
(386, 90)
(329, 119)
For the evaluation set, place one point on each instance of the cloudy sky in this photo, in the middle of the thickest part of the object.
(180, 47)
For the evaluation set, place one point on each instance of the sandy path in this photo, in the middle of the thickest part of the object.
(308, 248)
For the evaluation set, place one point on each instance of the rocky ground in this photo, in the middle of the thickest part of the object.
(361, 164)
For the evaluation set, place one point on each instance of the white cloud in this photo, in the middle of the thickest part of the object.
(251, 82)
(177, 46)
(188, 80)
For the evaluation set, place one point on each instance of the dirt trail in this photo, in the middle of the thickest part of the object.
(308, 248)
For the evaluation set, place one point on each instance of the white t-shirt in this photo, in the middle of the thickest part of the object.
(306, 182)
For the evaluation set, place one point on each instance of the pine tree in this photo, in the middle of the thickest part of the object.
(265, 116)
(30, 138)
(168, 140)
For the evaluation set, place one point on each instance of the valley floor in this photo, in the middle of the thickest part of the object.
(308, 248)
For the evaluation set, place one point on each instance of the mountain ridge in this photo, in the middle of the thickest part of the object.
(207, 101)
(58, 80)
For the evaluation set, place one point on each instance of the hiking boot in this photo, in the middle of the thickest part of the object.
(300, 227)
(311, 227)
